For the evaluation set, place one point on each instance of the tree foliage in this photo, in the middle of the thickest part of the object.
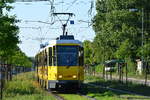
(8, 31)
(9, 51)
(20, 59)
(118, 28)
(88, 52)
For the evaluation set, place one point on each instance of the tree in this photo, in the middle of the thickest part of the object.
(88, 52)
(118, 28)
(8, 31)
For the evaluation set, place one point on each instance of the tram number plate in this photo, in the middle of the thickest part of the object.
(52, 85)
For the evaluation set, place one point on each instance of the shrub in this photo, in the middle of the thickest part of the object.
(99, 68)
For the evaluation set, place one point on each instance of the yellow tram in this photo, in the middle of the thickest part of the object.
(60, 64)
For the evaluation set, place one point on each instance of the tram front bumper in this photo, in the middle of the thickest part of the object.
(63, 83)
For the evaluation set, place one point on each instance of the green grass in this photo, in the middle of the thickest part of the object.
(100, 93)
(24, 87)
(73, 97)
(105, 94)
(31, 97)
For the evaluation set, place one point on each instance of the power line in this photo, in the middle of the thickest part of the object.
(71, 4)
(29, 27)
(91, 8)
(39, 22)
(64, 25)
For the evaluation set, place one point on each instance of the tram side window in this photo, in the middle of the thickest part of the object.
(54, 56)
(81, 56)
(45, 58)
(50, 56)
(42, 59)
(39, 61)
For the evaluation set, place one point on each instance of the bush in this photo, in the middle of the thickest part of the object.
(22, 84)
(19, 87)
(99, 68)
(131, 67)
(24, 87)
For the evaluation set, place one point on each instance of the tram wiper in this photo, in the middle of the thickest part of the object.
(70, 64)
(68, 67)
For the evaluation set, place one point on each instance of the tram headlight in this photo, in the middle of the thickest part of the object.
(60, 76)
(74, 76)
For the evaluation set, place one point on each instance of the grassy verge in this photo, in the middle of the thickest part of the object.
(24, 87)
(73, 97)
(104, 94)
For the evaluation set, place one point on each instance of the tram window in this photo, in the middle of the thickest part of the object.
(67, 55)
(45, 58)
(54, 56)
(39, 59)
(50, 56)
(42, 59)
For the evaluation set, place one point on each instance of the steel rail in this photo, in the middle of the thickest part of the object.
(57, 96)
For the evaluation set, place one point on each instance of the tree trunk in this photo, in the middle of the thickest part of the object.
(10, 74)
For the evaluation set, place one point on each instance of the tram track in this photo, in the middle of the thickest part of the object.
(83, 94)
(57, 96)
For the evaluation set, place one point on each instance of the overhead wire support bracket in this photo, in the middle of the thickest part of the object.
(64, 25)
(70, 14)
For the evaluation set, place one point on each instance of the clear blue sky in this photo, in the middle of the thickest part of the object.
(40, 11)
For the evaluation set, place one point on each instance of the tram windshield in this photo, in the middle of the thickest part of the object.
(67, 55)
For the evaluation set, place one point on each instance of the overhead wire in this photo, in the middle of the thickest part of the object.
(62, 5)
(71, 4)
(40, 32)
(52, 10)
(40, 29)
(47, 21)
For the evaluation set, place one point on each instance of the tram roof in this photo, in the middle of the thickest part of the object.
(59, 42)
(62, 42)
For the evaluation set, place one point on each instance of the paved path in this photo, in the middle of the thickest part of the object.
(139, 81)
(130, 79)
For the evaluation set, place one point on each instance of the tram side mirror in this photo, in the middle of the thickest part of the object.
(53, 56)
(80, 53)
